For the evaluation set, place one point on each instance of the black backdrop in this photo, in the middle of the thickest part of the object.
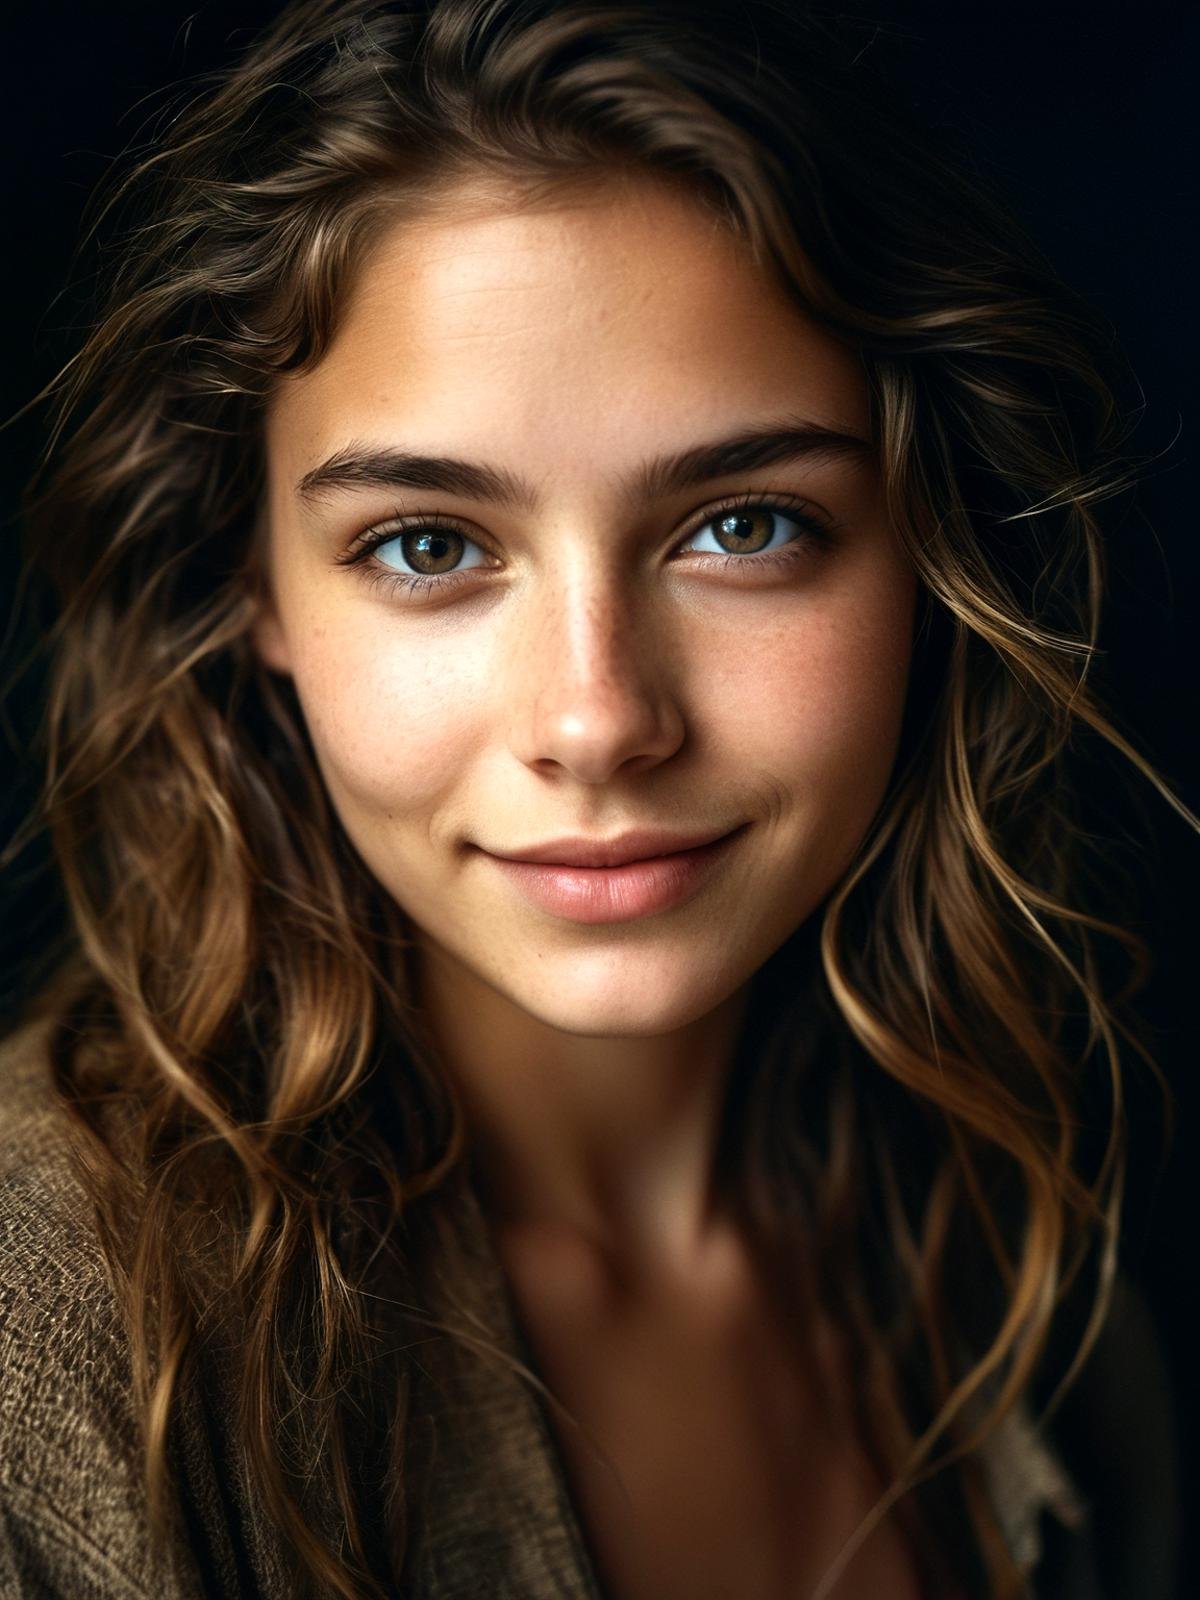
(1079, 113)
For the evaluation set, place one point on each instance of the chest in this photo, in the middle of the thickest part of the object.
(700, 1463)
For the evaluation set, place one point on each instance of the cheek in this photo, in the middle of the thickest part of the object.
(815, 706)
(391, 723)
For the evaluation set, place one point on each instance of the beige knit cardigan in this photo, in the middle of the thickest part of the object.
(498, 1521)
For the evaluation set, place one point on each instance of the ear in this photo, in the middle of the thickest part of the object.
(267, 637)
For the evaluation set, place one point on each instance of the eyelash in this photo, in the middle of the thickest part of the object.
(820, 533)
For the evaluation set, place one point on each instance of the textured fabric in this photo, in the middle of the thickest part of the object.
(494, 1520)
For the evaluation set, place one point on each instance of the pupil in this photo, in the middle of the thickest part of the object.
(739, 525)
(432, 551)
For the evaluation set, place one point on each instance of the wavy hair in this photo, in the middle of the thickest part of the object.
(235, 1024)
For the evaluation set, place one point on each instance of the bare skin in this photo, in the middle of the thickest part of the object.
(704, 1465)
(603, 663)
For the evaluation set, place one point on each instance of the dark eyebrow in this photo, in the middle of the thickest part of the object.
(358, 466)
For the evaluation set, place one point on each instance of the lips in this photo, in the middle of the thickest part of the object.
(635, 888)
(641, 844)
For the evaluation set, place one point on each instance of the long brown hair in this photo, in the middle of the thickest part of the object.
(237, 983)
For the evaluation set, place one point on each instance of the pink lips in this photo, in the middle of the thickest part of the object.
(615, 893)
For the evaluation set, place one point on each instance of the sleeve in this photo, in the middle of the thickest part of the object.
(73, 1522)
(1116, 1432)
(45, 1557)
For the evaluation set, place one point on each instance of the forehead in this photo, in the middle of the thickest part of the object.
(564, 334)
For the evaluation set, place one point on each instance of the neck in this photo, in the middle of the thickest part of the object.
(609, 1140)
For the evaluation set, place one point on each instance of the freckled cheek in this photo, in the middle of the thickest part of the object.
(394, 731)
(819, 706)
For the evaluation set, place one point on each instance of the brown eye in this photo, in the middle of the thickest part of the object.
(430, 551)
(745, 532)
(765, 529)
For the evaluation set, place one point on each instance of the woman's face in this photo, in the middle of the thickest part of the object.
(610, 645)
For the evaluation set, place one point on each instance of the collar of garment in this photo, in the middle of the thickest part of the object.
(497, 1497)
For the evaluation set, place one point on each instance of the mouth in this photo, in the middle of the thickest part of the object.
(640, 844)
(643, 886)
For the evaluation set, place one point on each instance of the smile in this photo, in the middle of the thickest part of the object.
(616, 894)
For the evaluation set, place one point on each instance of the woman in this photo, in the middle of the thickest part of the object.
(578, 547)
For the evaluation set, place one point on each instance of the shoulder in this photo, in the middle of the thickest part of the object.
(44, 1210)
(52, 1271)
(1095, 1483)
(1116, 1432)
(71, 1510)
(54, 1287)
(1087, 1494)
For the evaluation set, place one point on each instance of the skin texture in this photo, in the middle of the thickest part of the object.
(599, 669)
(607, 664)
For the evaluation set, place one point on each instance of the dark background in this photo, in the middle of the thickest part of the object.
(1079, 113)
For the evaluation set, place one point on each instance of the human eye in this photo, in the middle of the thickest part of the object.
(748, 527)
(413, 554)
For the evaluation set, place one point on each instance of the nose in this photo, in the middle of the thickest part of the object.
(593, 679)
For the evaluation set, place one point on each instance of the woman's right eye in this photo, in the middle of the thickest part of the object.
(426, 555)
(427, 552)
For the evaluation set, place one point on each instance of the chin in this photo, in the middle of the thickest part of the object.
(626, 997)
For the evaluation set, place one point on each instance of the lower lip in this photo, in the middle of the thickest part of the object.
(616, 894)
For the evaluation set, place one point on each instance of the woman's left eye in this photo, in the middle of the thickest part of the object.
(751, 529)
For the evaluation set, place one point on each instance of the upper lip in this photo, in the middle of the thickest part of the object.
(639, 845)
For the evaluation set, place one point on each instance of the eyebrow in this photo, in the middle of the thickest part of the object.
(360, 466)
